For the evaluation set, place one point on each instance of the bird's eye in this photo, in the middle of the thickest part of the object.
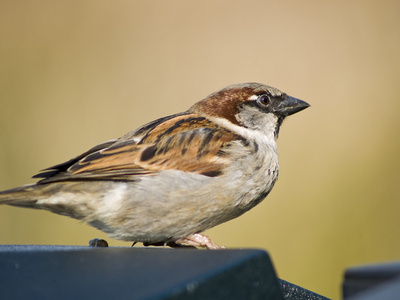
(263, 100)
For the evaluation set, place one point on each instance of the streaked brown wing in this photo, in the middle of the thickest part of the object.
(54, 170)
(186, 142)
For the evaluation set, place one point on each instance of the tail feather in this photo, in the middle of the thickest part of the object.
(23, 196)
(64, 198)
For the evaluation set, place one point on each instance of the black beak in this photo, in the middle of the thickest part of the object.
(290, 106)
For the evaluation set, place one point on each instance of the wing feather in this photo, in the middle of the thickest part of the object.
(185, 142)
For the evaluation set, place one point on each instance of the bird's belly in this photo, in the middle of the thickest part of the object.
(174, 204)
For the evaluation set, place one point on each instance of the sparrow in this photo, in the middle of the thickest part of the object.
(169, 180)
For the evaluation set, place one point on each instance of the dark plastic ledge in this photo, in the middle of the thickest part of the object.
(77, 272)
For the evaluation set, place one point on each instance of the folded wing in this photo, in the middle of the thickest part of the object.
(185, 142)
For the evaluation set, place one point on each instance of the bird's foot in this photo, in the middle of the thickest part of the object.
(191, 241)
(164, 244)
(198, 240)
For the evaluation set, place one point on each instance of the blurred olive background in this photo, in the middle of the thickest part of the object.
(76, 73)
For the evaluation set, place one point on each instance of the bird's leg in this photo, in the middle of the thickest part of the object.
(198, 240)
(191, 241)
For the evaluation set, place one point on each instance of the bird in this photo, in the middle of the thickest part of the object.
(171, 179)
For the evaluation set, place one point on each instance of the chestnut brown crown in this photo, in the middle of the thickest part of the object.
(227, 102)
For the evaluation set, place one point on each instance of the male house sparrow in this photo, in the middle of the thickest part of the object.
(175, 177)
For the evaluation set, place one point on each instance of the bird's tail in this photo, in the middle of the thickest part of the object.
(24, 196)
(48, 197)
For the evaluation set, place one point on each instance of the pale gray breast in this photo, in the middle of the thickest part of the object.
(253, 171)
